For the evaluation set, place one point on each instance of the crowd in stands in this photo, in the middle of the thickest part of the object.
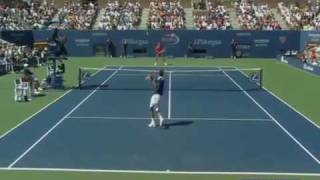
(118, 16)
(41, 14)
(256, 16)
(13, 58)
(216, 19)
(166, 15)
(298, 16)
(310, 54)
(8, 55)
(199, 4)
(9, 17)
(26, 15)
(76, 15)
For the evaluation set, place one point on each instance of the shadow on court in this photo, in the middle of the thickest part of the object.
(169, 124)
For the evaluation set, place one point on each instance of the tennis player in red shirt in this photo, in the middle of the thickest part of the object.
(160, 52)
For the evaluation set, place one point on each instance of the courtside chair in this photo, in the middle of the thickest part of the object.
(22, 90)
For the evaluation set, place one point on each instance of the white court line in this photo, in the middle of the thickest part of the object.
(291, 107)
(169, 95)
(33, 115)
(159, 172)
(284, 102)
(36, 113)
(146, 118)
(60, 121)
(264, 110)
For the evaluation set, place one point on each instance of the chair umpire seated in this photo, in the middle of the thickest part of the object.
(57, 52)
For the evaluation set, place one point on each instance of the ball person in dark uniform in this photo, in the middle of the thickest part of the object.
(158, 86)
(234, 49)
(125, 48)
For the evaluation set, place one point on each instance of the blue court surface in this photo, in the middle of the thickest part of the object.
(217, 120)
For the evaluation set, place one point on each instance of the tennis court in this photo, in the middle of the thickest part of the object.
(219, 119)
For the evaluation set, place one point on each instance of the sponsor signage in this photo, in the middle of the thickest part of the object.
(82, 42)
(171, 39)
(261, 42)
(138, 42)
(207, 42)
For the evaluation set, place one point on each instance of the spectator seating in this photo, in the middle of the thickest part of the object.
(305, 17)
(166, 15)
(126, 16)
(12, 57)
(26, 15)
(216, 18)
(199, 5)
(256, 16)
(76, 15)
(163, 14)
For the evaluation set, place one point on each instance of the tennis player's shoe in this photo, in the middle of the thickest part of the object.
(152, 125)
(161, 122)
(161, 119)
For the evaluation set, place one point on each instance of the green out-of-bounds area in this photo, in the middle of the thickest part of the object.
(298, 88)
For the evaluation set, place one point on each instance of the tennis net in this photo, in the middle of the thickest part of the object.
(224, 79)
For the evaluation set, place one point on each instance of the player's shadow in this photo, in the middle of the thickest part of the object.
(169, 124)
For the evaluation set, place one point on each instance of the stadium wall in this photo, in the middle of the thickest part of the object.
(307, 37)
(255, 44)
(19, 38)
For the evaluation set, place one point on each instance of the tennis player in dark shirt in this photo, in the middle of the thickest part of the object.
(158, 86)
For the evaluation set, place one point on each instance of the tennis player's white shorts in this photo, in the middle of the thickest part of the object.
(154, 102)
